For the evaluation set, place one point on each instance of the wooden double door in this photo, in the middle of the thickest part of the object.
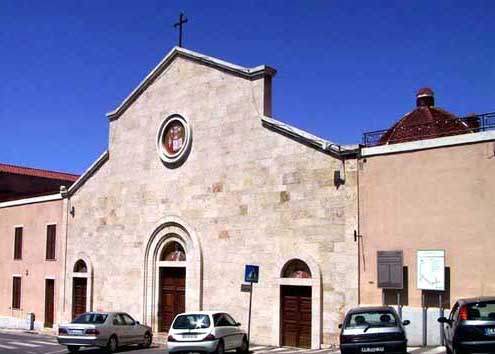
(79, 288)
(296, 316)
(172, 295)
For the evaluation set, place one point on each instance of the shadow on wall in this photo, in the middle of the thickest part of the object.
(392, 297)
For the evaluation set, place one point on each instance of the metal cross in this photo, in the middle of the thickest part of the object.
(179, 24)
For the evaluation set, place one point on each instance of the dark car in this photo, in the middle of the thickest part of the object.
(470, 327)
(373, 330)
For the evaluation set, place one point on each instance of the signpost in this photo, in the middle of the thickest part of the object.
(251, 275)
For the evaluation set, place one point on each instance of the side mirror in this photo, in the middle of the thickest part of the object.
(443, 320)
(137, 322)
(406, 322)
(238, 324)
(340, 325)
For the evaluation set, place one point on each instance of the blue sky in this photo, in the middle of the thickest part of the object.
(344, 67)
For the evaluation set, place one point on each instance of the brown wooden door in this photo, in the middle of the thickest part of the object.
(49, 302)
(296, 316)
(172, 296)
(78, 296)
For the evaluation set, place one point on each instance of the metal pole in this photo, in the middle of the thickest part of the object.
(249, 318)
(425, 320)
(441, 314)
(399, 307)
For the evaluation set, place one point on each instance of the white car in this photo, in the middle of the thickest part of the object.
(206, 331)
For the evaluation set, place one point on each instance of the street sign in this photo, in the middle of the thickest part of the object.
(246, 288)
(431, 270)
(251, 273)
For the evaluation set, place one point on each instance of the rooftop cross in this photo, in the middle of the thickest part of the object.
(182, 20)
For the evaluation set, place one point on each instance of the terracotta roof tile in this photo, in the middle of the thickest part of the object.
(27, 171)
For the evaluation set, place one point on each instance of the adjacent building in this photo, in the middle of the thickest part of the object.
(32, 229)
(425, 184)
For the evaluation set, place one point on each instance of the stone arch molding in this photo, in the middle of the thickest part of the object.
(172, 229)
(316, 295)
(88, 275)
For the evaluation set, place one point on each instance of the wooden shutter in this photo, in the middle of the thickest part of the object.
(16, 293)
(51, 232)
(18, 243)
(390, 264)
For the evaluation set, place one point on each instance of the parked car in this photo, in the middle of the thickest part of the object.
(206, 331)
(373, 330)
(470, 327)
(108, 330)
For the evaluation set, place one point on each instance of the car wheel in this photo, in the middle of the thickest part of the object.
(73, 348)
(244, 346)
(147, 340)
(112, 344)
(220, 348)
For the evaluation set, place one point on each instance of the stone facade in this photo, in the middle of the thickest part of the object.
(246, 194)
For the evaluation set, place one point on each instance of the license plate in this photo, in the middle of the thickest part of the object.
(76, 331)
(490, 331)
(188, 336)
(372, 350)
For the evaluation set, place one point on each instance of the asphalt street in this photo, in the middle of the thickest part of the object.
(28, 343)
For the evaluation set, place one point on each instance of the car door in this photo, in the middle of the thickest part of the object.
(223, 330)
(449, 327)
(117, 328)
(237, 332)
(133, 331)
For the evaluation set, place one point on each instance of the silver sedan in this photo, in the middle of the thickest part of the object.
(105, 330)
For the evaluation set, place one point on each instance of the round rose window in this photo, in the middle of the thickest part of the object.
(174, 139)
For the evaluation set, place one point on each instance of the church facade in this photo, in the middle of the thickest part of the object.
(199, 181)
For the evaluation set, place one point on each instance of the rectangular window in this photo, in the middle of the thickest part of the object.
(51, 232)
(18, 243)
(16, 293)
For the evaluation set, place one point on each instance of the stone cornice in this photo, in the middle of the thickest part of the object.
(88, 173)
(309, 139)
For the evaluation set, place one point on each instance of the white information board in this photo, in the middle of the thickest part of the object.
(430, 269)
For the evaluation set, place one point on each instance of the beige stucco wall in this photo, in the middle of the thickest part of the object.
(440, 198)
(246, 195)
(33, 267)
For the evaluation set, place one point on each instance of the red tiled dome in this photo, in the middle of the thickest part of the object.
(425, 122)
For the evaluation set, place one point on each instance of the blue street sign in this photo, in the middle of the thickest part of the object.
(251, 273)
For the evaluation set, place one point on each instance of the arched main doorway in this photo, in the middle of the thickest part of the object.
(173, 273)
(172, 283)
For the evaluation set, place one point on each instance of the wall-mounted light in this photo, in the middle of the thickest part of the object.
(338, 179)
(72, 211)
(27, 272)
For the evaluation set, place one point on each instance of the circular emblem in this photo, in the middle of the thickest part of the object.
(174, 139)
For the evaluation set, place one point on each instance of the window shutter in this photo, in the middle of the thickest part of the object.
(51, 232)
(390, 265)
(18, 243)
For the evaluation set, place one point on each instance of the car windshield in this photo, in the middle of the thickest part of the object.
(91, 318)
(371, 319)
(193, 321)
(481, 311)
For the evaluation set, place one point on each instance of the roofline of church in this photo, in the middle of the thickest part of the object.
(88, 173)
(248, 73)
(308, 138)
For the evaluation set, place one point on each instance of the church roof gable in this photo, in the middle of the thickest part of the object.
(248, 73)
